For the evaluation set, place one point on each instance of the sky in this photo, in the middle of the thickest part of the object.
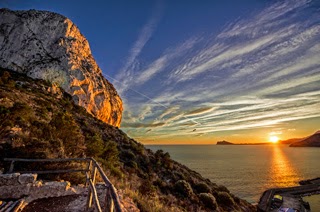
(196, 72)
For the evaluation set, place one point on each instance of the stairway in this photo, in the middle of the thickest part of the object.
(11, 206)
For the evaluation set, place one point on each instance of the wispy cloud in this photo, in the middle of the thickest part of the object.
(164, 61)
(144, 36)
(261, 71)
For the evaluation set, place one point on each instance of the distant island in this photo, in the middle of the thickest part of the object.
(230, 143)
(224, 143)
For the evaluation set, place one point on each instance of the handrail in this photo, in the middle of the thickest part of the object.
(109, 184)
(95, 196)
(47, 159)
(93, 166)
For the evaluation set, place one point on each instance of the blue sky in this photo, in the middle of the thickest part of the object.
(202, 71)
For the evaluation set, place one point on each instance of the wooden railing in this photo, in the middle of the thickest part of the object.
(93, 168)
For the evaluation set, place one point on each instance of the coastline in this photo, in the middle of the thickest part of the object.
(291, 196)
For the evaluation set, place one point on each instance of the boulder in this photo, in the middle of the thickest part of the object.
(9, 179)
(27, 178)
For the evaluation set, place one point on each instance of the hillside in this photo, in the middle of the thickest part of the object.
(40, 120)
(311, 141)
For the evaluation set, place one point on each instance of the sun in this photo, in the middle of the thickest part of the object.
(273, 139)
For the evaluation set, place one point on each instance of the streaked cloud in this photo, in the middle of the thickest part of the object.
(141, 125)
(259, 72)
(199, 111)
(146, 33)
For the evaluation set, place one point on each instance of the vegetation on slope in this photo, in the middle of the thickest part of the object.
(39, 120)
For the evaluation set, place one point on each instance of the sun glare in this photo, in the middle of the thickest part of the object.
(273, 139)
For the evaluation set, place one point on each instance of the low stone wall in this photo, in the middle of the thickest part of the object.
(16, 186)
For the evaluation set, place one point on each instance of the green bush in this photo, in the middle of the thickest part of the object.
(183, 188)
(225, 199)
(65, 129)
(128, 155)
(208, 200)
(95, 146)
(5, 76)
(143, 205)
(177, 175)
(163, 159)
(147, 188)
(202, 188)
(5, 79)
(111, 153)
(137, 147)
(115, 171)
(223, 188)
(132, 164)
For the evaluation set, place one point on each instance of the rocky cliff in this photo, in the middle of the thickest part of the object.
(49, 46)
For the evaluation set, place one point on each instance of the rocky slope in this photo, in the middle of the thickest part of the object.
(49, 46)
(38, 120)
(311, 141)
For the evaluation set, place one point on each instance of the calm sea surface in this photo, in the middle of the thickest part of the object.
(245, 170)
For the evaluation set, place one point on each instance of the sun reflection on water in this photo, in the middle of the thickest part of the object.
(282, 172)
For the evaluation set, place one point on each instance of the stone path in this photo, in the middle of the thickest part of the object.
(54, 204)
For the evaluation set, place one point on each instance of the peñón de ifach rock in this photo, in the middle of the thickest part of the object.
(49, 46)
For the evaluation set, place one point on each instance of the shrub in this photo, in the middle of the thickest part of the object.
(237, 199)
(74, 178)
(183, 188)
(202, 188)
(95, 146)
(163, 159)
(143, 205)
(223, 188)
(65, 129)
(177, 175)
(4, 121)
(111, 153)
(5, 79)
(137, 147)
(132, 164)
(225, 199)
(147, 188)
(115, 171)
(128, 155)
(208, 200)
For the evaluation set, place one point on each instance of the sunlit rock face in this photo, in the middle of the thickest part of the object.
(49, 46)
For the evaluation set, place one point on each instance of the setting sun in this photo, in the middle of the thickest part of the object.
(273, 139)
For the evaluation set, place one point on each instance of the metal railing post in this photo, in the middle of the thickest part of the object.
(11, 166)
(109, 205)
(87, 172)
(93, 178)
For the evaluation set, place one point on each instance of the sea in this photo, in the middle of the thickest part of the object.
(248, 170)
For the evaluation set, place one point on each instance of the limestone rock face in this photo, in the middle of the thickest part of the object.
(49, 46)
